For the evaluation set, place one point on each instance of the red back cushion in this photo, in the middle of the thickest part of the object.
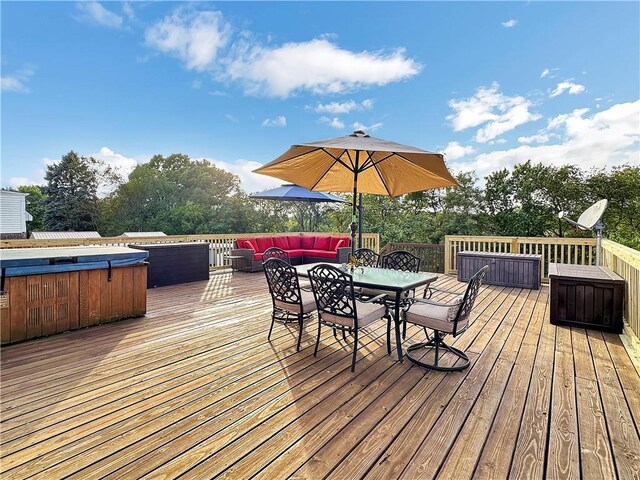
(307, 242)
(294, 242)
(322, 243)
(281, 242)
(263, 243)
(341, 243)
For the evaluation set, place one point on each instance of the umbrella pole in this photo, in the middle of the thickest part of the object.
(359, 220)
(354, 225)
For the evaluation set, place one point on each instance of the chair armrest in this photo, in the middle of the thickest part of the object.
(444, 290)
(374, 299)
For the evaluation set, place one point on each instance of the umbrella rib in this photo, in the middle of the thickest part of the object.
(374, 163)
(335, 160)
(384, 182)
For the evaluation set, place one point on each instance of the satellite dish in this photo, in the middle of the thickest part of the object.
(592, 215)
(590, 220)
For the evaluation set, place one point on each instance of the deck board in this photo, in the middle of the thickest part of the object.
(195, 389)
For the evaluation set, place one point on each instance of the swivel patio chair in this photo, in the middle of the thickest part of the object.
(451, 318)
(286, 294)
(366, 257)
(338, 306)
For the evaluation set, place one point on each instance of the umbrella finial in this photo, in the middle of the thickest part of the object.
(359, 133)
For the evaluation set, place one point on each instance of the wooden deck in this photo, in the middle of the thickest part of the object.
(195, 390)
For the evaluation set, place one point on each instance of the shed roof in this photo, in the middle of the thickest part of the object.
(56, 235)
(143, 234)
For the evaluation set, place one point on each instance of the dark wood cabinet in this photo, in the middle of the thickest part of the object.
(173, 263)
(586, 296)
(506, 269)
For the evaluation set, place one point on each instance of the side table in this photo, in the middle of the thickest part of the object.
(235, 260)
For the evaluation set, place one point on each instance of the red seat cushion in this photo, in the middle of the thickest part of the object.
(294, 242)
(263, 243)
(295, 253)
(306, 243)
(321, 254)
(322, 243)
(281, 242)
(257, 257)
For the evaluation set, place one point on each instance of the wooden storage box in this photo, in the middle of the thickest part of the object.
(173, 263)
(506, 269)
(89, 290)
(586, 296)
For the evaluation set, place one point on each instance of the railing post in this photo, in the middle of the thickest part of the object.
(447, 254)
(514, 245)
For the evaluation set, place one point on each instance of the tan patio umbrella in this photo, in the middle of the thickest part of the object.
(360, 163)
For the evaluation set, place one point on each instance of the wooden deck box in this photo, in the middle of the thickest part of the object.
(174, 263)
(506, 269)
(72, 288)
(586, 296)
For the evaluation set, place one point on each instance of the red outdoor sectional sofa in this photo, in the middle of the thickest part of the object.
(301, 249)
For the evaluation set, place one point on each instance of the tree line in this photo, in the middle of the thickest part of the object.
(179, 195)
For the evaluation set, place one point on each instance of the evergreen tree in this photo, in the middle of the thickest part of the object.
(71, 194)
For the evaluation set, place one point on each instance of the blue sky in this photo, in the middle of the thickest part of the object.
(490, 84)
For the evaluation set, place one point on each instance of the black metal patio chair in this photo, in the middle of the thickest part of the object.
(366, 257)
(338, 306)
(275, 252)
(286, 294)
(450, 318)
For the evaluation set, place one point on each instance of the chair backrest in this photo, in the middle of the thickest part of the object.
(366, 257)
(275, 252)
(282, 280)
(470, 295)
(333, 292)
(400, 260)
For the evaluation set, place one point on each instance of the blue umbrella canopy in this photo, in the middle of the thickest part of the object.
(296, 193)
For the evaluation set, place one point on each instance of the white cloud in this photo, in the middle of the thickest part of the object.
(605, 139)
(454, 150)
(344, 107)
(279, 121)
(249, 181)
(231, 118)
(127, 9)
(545, 73)
(15, 182)
(538, 138)
(17, 81)
(568, 86)
(193, 37)
(12, 84)
(334, 122)
(121, 164)
(510, 23)
(317, 66)
(94, 12)
(370, 128)
(488, 106)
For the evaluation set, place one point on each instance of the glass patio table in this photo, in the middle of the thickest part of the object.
(396, 282)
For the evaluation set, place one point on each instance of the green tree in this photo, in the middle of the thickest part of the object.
(35, 206)
(71, 194)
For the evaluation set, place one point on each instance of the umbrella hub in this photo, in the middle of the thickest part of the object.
(359, 133)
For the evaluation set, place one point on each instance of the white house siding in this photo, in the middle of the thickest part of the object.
(13, 215)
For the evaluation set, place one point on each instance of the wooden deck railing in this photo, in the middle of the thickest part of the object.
(579, 251)
(625, 262)
(219, 244)
(431, 255)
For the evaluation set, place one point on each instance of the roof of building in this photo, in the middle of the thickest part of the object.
(143, 234)
(13, 193)
(56, 235)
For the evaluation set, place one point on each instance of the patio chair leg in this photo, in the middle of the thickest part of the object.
(335, 333)
(315, 350)
(404, 329)
(300, 316)
(436, 341)
(355, 351)
(273, 319)
(344, 335)
(389, 335)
